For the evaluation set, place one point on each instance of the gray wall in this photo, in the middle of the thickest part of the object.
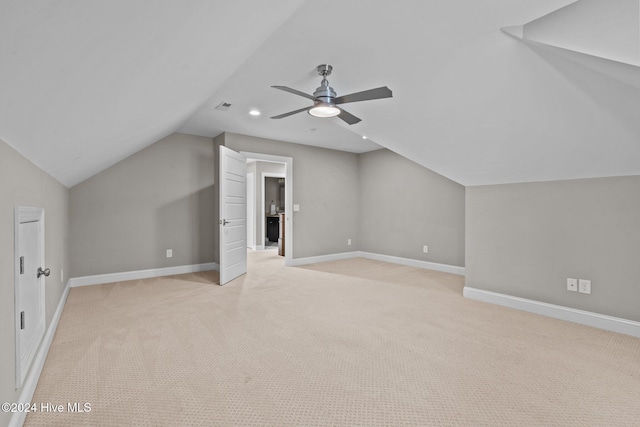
(166, 196)
(325, 185)
(527, 239)
(404, 206)
(24, 184)
(125, 217)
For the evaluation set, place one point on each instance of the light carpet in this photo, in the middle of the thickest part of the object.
(346, 343)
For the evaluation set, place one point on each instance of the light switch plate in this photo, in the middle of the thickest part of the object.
(296, 208)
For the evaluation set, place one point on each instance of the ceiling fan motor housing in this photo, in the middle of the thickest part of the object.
(325, 93)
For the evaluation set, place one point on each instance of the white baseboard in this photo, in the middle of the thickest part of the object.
(378, 257)
(30, 383)
(601, 321)
(141, 274)
(323, 258)
(445, 268)
(259, 248)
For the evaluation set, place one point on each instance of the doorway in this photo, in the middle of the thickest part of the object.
(284, 168)
(273, 202)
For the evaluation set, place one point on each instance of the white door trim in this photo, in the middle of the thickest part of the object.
(251, 210)
(288, 190)
(24, 214)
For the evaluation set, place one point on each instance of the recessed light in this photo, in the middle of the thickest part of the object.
(254, 112)
(364, 137)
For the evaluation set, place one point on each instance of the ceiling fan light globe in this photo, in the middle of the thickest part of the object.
(324, 110)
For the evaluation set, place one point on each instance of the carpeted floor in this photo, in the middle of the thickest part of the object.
(346, 343)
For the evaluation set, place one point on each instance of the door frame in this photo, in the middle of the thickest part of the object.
(251, 210)
(27, 214)
(288, 190)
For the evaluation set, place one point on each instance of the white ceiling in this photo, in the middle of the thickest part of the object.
(85, 84)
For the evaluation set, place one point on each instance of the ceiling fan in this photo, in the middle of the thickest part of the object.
(325, 103)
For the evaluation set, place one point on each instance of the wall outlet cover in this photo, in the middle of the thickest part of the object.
(349, 242)
(572, 285)
(169, 253)
(584, 286)
(425, 249)
(296, 208)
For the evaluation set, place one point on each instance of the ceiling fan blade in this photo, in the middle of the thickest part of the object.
(291, 113)
(366, 95)
(348, 117)
(294, 91)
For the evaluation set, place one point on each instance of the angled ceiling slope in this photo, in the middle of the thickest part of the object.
(599, 34)
(86, 84)
(468, 102)
(596, 45)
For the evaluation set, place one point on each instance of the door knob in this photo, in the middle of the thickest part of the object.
(224, 222)
(44, 272)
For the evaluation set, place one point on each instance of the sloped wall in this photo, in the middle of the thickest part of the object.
(404, 206)
(24, 184)
(127, 216)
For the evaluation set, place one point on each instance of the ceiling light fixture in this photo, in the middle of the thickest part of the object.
(323, 109)
(364, 137)
(254, 112)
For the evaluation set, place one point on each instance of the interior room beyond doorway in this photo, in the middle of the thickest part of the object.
(266, 205)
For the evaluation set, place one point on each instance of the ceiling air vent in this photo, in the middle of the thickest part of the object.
(223, 106)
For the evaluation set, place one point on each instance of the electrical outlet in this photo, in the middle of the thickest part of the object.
(572, 285)
(296, 208)
(584, 286)
(169, 253)
(425, 249)
(349, 242)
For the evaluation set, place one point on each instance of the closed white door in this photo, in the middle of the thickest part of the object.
(29, 296)
(233, 215)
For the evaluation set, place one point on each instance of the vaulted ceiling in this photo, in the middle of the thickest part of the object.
(553, 96)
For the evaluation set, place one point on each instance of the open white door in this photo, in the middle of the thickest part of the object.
(233, 215)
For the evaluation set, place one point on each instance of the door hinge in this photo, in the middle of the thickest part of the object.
(22, 320)
(21, 265)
